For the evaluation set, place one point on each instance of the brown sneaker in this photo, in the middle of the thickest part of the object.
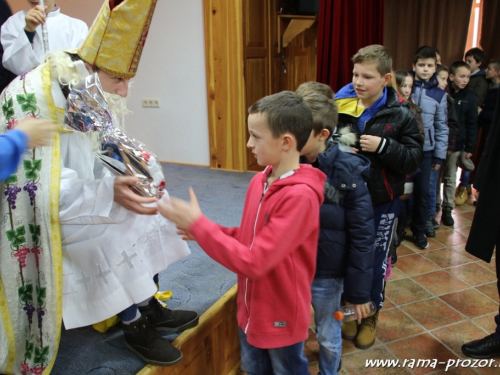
(367, 332)
(349, 330)
(461, 195)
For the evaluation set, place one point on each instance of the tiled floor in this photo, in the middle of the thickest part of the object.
(436, 300)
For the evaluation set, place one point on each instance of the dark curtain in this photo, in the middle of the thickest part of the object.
(410, 24)
(344, 26)
(489, 30)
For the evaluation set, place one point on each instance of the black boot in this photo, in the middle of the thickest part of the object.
(393, 250)
(147, 343)
(485, 348)
(429, 228)
(446, 217)
(167, 320)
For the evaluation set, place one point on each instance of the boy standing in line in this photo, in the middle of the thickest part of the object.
(466, 108)
(274, 250)
(389, 137)
(486, 116)
(428, 96)
(478, 84)
(347, 230)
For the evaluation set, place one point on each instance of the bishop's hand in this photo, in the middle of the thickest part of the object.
(125, 197)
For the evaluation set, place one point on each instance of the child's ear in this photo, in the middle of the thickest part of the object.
(387, 79)
(288, 141)
(324, 134)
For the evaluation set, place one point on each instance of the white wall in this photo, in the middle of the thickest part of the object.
(172, 69)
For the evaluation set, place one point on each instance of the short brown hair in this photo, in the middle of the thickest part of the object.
(286, 112)
(319, 98)
(377, 54)
(458, 64)
(496, 63)
(442, 68)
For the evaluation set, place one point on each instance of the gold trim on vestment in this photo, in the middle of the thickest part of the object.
(55, 228)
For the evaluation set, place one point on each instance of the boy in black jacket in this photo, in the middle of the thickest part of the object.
(465, 103)
(388, 135)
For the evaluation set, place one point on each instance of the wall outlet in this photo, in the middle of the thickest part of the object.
(151, 103)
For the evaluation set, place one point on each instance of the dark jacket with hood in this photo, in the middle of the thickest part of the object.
(399, 153)
(347, 229)
(478, 84)
(486, 116)
(465, 104)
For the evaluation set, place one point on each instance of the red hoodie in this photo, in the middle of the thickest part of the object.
(274, 254)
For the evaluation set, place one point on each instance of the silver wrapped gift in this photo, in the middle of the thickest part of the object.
(88, 111)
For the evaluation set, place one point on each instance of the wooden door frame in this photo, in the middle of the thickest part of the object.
(224, 60)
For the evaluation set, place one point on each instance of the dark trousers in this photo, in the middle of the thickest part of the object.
(421, 182)
(385, 215)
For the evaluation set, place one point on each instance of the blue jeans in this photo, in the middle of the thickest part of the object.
(289, 360)
(326, 295)
(432, 191)
(465, 178)
(421, 195)
(129, 313)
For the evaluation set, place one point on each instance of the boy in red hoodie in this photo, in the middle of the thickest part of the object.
(274, 250)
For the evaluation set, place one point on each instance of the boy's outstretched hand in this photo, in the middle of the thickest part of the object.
(182, 213)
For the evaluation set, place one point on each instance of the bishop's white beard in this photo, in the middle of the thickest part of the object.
(118, 106)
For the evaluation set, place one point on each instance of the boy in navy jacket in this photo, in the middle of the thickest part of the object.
(347, 229)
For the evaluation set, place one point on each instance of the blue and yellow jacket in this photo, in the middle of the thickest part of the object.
(400, 151)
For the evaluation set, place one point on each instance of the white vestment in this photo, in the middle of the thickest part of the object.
(110, 254)
(20, 55)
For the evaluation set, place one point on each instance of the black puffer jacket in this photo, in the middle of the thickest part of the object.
(465, 104)
(402, 153)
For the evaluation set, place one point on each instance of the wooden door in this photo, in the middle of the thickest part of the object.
(257, 69)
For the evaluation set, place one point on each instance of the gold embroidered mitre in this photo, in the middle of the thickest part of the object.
(117, 36)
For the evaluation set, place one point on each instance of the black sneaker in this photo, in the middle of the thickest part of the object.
(435, 224)
(446, 217)
(420, 241)
(141, 338)
(394, 258)
(438, 208)
(429, 228)
(166, 320)
(393, 251)
(487, 347)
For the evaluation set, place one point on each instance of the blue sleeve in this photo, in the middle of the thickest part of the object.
(360, 231)
(12, 147)
(441, 129)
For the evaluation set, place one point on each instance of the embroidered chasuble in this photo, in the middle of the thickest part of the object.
(67, 251)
